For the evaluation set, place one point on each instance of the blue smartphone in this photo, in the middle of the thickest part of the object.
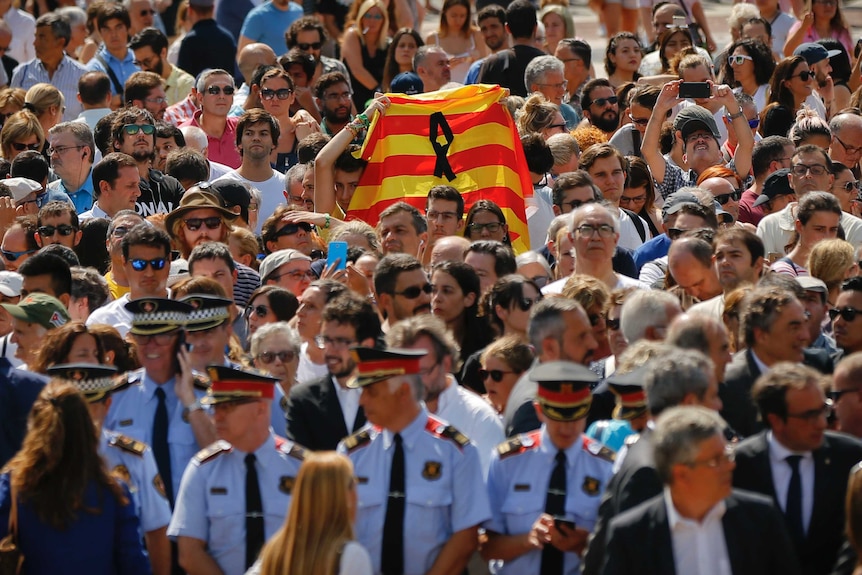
(337, 251)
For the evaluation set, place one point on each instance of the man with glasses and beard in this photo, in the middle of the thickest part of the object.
(322, 412)
(214, 93)
(333, 97)
(402, 288)
(257, 133)
(134, 133)
(600, 106)
(151, 54)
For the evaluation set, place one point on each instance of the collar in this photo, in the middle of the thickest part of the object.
(675, 519)
(150, 386)
(410, 434)
(129, 57)
(779, 453)
(263, 453)
(759, 362)
(547, 447)
(448, 395)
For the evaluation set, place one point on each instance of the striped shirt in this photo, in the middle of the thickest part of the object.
(65, 79)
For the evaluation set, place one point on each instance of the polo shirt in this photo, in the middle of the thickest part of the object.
(222, 150)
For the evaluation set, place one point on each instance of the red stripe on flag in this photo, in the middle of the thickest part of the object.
(421, 125)
(495, 155)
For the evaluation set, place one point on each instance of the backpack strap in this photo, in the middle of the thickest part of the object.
(636, 219)
(114, 80)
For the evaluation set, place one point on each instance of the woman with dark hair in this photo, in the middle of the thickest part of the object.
(69, 343)
(485, 221)
(818, 217)
(623, 58)
(455, 299)
(639, 194)
(460, 39)
(670, 43)
(399, 57)
(119, 352)
(791, 83)
(91, 250)
(822, 19)
(72, 516)
(749, 67)
(269, 304)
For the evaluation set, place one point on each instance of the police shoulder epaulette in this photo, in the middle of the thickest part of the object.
(632, 439)
(290, 448)
(201, 382)
(212, 451)
(124, 381)
(440, 429)
(519, 444)
(357, 440)
(126, 443)
(599, 450)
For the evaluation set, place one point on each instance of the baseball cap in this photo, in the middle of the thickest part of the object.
(10, 283)
(277, 259)
(776, 184)
(232, 194)
(693, 118)
(675, 201)
(814, 52)
(407, 83)
(39, 308)
(22, 187)
(810, 283)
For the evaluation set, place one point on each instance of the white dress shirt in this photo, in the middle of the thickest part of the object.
(699, 548)
(349, 400)
(782, 472)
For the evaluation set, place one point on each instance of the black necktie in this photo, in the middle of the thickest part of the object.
(393, 526)
(161, 451)
(555, 506)
(254, 537)
(793, 509)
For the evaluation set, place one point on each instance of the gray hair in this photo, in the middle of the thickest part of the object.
(678, 435)
(294, 174)
(580, 212)
(538, 67)
(196, 138)
(546, 319)
(557, 224)
(205, 76)
(645, 309)
(533, 257)
(76, 16)
(413, 380)
(693, 332)
(563, 147)
(671, 378)
(275, 328)
(81, 132)
(422, 53)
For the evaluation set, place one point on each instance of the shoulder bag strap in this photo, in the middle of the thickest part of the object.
(114, 80)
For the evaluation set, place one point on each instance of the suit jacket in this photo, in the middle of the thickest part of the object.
(832, 464)
(18, 390)
(739, 410)
(314, 416)
(639, 540)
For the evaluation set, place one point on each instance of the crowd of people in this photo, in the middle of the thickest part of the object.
(208, 366)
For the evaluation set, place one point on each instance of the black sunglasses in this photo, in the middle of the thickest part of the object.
(140, 265)
(194, 224)
(724, 198)
(19, 147)
(281, 94)
(62, 229)
(260, 310)
(836, 395)
(13, 256)
(495, 374)
(847, 313)
(414, 291)
(674, 233)
(216, 90)
(526, 303)
(603, 101)
(291, 229)
(613, 324)
(804, 76)
(268, 357)
(312, 46)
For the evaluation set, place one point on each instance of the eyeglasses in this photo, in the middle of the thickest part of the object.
(159, 338)
(414, 291)
(13, 256)
(724, 198)
(526, 303)
(848, 149)
(813, 415)
(604, 230)
(62, 229)
(492, 227)
(313, 46)
(19, 147)
(850, 186)
(540, 281)
(145, 63)
(635, 200)
(216, 90)
(336, 342)
(445, 216)
(281, 94)
(293, 229)
(194, 224)
(575, 204)
(558, 86)
(61, 149)
(334, 97)
(639, 121)
(802, 169)
(268, 357)
(156, 100)
(120, 232)
(804, 75)
(836, 395)
(603, 101)
(674, 233)
(495, 374)
(140, 265)
(847, 313)
(132, 129)
(738, 59)
(296, 275)
(594, 318)
(729, 456)
(613, 324)
(259, 310)
(145, 13)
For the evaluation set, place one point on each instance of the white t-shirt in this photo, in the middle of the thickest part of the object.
(629, 236)
(271, 193)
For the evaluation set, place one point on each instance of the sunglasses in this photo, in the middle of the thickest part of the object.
(268, 357)
(738, 59)
(850, 186)
(132, 129)
(639, 121)
(373, 16)
(19, 147)
(804, 76)
(13, 256)
(145, 13)
(613, 324)
(847, 313)
(724, 198)
(415, 291)
(62, 229)
(216, 90)
(674, 233)
(120, 232)
(754, 123)
(140, 265)
(312, 46)
(281, 94)
(495, 374)
(194, 224)
(292, 229)
(526, 303)
(259, 310)
(603, 101)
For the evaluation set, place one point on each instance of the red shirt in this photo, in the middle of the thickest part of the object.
(222, 150)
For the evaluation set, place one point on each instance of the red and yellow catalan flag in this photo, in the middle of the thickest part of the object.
(463, 137)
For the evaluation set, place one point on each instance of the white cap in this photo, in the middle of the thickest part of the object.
(10, 283)
(22, 187)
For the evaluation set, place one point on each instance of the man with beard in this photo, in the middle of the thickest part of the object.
(432, 66)
(492, 23)
(559, 330)
(134, 133)
(114, 58)
(144, 90)
(403, 289)
(332, 95)
(308, 35)
(322, 412)
(257, 134)
(817, 57)
(848, 308)
(214, 93)
(150, 47)
(600, 106)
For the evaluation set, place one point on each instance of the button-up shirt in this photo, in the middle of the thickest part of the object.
(178, 85)
(699, 548)
(472, 416)
(122, 68)
(65, 79)
(348, 399)
(782, 472)
(82, 197)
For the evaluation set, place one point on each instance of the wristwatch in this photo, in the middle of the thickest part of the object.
(187, 411)
(739, 114)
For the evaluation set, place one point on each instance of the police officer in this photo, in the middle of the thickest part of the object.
(545, 486)
(128, 460)
(161, 406)
(420, 488)
(630, 415)
(235, 493)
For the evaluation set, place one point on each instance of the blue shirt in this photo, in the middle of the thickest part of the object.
(121, 68)
(473, 73)
(65, 79)
(267, 24)
(651, 250)
(211, 502)
(82, 198)
(518, 486)
(443, 484)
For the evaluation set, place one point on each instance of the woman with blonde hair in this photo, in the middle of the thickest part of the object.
(317, 536)
(11, 101)
(832, 261)
(558, 25)
(48, 103)
(21, 132)
(540, 116)
(364, 48)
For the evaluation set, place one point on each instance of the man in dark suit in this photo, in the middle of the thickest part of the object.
(321, 413)
(775, 329)
(681, 377)
(797, 463)
(742, 533)
(18, 390)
